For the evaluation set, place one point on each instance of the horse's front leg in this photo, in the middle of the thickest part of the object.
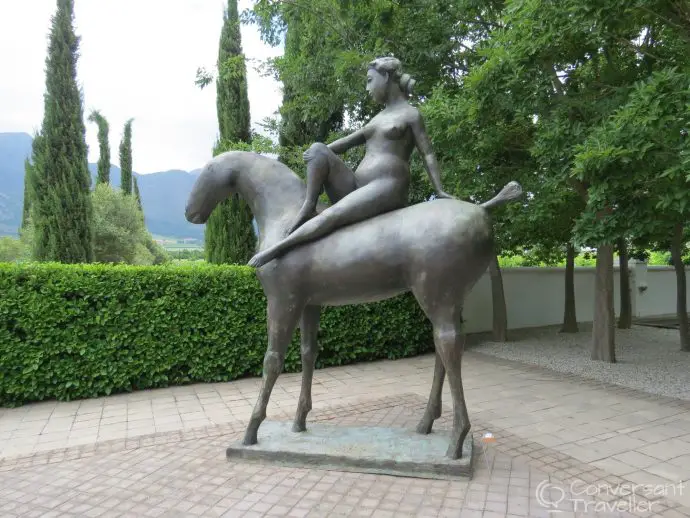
(282, 320)
(309, 328)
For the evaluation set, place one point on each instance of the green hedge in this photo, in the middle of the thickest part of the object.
(77, 331)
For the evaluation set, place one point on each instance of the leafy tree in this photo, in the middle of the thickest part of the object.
(298, 127)
(636, 161)
(478, 156)
(229, 235)
(325, 57)
(103, 147)
(119, 230)
(61, 203)
(643, 153)
(126, 158)
(568, 67)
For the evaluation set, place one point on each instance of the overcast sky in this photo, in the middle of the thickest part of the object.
(138, 59)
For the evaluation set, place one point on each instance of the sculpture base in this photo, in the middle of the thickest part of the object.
(362, 449)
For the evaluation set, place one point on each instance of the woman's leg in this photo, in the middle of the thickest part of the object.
(363, 203)
(324, 169)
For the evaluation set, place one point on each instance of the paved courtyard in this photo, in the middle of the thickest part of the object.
(563, 443)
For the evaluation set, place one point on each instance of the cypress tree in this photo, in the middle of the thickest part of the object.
(229, 235)
(126, 159)
(30, 178)
(232, 102)
(137, 196)
(61, 205)
(103, 147)
(26, 208)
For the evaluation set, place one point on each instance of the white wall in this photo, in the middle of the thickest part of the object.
(659, 297)
(535, 296)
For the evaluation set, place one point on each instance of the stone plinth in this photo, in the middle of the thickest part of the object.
(363, 449)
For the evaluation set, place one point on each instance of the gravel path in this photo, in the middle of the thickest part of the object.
(648, 358)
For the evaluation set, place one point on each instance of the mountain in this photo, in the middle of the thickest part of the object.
(14, 148)
(163, 195)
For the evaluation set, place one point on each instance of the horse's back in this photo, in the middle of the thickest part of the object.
(383, 256)
(407, 233)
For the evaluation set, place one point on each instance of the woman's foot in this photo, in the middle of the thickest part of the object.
(304, 215)
(299, 221)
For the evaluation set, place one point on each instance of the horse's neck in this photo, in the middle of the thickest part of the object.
(275, 195)
(274, 225)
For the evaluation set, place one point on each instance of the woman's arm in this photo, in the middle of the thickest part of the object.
(424, 147)
(343, 144)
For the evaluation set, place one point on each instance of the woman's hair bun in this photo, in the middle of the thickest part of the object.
(407, 83)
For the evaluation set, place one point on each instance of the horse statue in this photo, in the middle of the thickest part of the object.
(436, 249)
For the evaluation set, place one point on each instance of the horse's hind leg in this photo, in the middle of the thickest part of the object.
(282, 320)
(439, 302)
(309, 329)
(433, 407)
(449, 340)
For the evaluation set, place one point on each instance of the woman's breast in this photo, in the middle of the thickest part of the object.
(394, 131)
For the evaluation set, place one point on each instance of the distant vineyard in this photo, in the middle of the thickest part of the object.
(173, 244)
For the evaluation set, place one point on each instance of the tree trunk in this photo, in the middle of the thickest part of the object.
(625, 318)
(681, 286)
(603, 328)
(498, 302)
(569, 313)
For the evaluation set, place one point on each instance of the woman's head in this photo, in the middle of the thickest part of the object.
(384, 71)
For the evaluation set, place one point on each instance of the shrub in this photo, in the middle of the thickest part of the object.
(120, 235)
(78, 331)
(11, 249)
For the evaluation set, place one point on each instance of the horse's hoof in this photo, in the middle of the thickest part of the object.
(424, 427)
(299, 427)
(250, 439)
(453, 452)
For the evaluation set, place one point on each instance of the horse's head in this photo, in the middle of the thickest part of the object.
(217, 181)
(273, 192)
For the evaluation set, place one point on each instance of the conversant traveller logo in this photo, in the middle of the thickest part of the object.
(600, 497)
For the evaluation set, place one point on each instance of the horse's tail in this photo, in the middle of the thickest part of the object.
(511, 191)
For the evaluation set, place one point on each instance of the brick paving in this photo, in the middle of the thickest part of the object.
(162, 452)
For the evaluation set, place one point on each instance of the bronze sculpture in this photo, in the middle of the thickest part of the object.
(437, 249)
(381, 181)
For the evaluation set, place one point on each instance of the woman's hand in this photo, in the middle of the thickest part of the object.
(308, 155)
(444, 194)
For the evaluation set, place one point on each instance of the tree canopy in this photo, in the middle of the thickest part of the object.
(585, 103)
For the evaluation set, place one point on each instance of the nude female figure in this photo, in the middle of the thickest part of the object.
(382, 179)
